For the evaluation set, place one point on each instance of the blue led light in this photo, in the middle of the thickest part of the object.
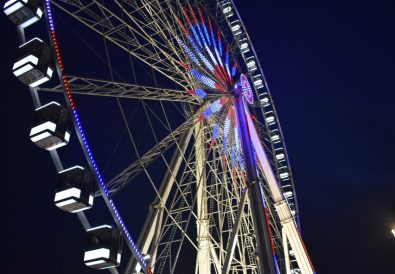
(227, 63)
(202, 57)
(219, 44)
(200, 93)
(240, 160)
(201, 33)
(238, 148)
(207, 112)
(216, 106)
(232, 157)
(203, 79)
(213, 39)
(225, 134)
(206, 32)
(276, 264)
(195, 34)
(219, 58)
(211, 55)
(234, 70)
(189, 52)
(215, 131)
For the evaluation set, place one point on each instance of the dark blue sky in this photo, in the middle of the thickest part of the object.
(330, 67)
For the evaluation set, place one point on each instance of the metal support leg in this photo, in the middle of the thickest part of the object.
(153, 224)
(202, 222)
(263, 242)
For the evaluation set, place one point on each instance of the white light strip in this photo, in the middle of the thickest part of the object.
(57, 146)
(95, 262)
(50, 103)
(67, 202)
(67, 136)
(90, 200)
(12, 8)
(39, 82)
(49, 72)
(40, 137)
(111, 266)
(96, 254)
(45, 126)
(35, 38)
(68, 193)
(9, 3)
(284, 175)
(71, 168)
(22, 70)
(29, 22)
(81, 209)
(39, 12)
(98, 227)
(30, 58)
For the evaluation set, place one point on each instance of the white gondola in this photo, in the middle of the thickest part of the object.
(235, 28)
(244, 46)
(283, 173)
(103, 247)
(280, 154)
(33, 66)
(51, 126)
(23, 13)
(264, 99)
(251, 64)
(275, 136)
(227, 8)
(269, 117)
(257, 81)
(74, 190)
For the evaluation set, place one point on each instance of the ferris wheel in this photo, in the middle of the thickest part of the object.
(179, 85)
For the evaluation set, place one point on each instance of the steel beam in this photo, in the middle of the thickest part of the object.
(130, 172)
(96, 87)
(153, 223)
(233, 238)
(202, 221)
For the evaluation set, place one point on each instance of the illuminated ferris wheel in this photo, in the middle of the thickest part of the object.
(200, 136)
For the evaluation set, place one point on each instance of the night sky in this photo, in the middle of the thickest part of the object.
(330, 67)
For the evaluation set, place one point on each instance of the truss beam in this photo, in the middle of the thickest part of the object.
(130, 32)
(153, 222)
(127, 175)
(236, 226)
(95, 87)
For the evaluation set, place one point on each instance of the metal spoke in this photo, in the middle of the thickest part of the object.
(134, 36)
(127, 175)
(95, 87)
